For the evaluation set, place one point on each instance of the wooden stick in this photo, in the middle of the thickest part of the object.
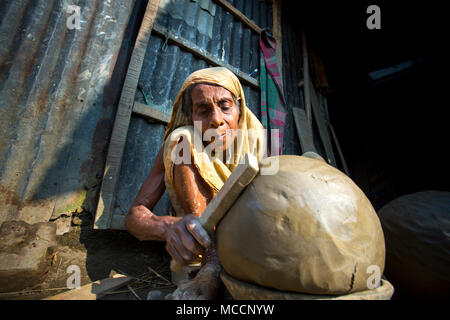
(228, 194)
(324, 102)
(240, 16)
(26, 292)
(347, 172)
(306, 83)
(304, 134)
(141, 287)
(159, 275)
(104, 213)
(322, 126)
(94, 290)
(225, 198)
(277, 34)
(151, 113)
(134, 292)
(203, 54)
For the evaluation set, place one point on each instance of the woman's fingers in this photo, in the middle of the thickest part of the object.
(174, 253)
(187, 240)
(196, 230)
(191, 244)
(176, 244)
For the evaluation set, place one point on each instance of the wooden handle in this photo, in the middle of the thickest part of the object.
(228, 194)
(215, 210)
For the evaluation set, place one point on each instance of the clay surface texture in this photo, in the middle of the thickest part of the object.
(307, 228)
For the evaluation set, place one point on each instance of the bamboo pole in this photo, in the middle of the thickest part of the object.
(306, 81)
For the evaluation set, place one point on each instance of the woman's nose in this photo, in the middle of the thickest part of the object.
(216, 118)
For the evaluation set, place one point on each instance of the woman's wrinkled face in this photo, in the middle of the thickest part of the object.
(214, 107)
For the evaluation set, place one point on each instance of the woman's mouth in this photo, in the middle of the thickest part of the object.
(222, 136)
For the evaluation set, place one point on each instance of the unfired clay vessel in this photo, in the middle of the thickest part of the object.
(308, 228)
(417, 232)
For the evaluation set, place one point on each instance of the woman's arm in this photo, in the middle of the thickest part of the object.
(187, 238)
(184, 236)
(140, 221)
(194, 195)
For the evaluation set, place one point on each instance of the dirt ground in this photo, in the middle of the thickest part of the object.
(101, 254)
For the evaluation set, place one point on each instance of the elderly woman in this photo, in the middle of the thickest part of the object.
(209, 108)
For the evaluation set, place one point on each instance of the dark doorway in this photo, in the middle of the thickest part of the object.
(392, 129)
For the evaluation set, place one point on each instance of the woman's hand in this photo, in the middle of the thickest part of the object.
(186, 240)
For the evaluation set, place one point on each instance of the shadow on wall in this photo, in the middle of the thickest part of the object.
(108, 250)
(59, 89)
(57, 116)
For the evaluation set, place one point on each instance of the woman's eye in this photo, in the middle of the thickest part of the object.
(225, 106)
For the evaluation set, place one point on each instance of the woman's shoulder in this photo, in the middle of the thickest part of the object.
(187, 131)
(184, 133)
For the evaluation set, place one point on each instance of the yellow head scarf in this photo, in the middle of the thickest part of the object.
(250, 140)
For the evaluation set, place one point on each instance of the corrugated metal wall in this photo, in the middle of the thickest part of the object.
(292, 75)
(165, 70)
(59, 90)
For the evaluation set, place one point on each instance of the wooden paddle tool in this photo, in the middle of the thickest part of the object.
(240, 178)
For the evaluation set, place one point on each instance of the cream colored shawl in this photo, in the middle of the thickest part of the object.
(251, 137)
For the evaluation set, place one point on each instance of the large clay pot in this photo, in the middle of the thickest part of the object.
(308, 228)
(417, 232)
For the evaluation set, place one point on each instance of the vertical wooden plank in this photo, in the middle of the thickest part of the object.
(103, 216)
(276, 10)
(306, 82)
(321, 124)
(304, 134)
(338, 146)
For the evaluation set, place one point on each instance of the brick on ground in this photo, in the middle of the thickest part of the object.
(23, 253)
